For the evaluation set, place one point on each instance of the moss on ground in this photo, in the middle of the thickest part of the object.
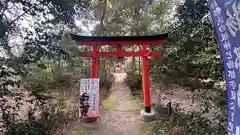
(146, 129)
(111, 101)
(79, 131)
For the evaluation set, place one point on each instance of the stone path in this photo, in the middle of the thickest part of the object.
(120, 112)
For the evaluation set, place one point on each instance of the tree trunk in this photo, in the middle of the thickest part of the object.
(133, 61)
(104, 4)
(104, 67)
(139, 63)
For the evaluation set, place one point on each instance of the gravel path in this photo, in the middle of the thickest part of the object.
(120, 112)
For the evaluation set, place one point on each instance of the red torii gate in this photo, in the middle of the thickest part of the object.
(119, 41)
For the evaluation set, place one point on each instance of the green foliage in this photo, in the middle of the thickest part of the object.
(41, 61)
(8, 79)
(40, 81)
(188, 124)
(50, 78)
(40, 39)
(191, 50)
(49, 121)
(107, 83)
(134, 81)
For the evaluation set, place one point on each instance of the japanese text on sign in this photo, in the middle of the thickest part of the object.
(225, 16)
(89, 88)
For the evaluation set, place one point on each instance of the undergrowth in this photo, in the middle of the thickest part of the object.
(179, 123)
(192, 123)
(134, 81)
(51, 117)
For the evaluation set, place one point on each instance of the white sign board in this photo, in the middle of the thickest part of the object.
(89, 98)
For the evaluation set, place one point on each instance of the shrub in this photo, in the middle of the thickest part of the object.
(192, 123)
(108, 82)
(134, 81)
(40, 81)
(50, 119)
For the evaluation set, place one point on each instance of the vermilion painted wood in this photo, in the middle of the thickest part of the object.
(141, 53)
(145, 84)
(94, 62)
(119, 48)
(150, 42)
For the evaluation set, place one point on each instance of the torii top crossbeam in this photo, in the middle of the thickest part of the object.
(122, 40)
(119, 41)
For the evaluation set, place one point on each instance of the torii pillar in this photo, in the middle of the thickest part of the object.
(145, 80)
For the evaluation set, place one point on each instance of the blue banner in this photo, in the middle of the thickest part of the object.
(225, 16)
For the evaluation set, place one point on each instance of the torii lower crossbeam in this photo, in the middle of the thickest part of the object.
(141, 53)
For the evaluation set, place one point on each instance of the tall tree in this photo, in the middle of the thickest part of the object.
(191, 50)
(132, 18)
(38, 23)
(39, 26)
